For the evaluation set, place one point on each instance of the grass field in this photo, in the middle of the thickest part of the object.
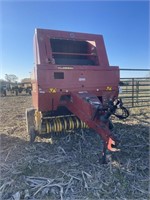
(68, 166)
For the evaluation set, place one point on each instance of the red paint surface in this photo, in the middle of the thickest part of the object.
(91, 78)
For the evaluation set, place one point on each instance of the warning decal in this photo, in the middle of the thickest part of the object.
(109, 88)
(52, 90)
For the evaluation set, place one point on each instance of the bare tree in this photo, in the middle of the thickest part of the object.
(11, 78)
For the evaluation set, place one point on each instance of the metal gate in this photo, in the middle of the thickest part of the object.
(135, 92)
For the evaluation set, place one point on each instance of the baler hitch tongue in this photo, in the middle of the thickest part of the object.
(89, 109)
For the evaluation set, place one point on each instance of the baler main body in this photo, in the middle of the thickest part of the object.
(66, 63)
(73, 85)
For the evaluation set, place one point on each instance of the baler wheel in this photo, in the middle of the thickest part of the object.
(30, 124)
(4, 93)
(16, 92)
(32, 135)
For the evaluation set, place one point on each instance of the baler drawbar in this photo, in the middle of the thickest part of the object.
(73, 86)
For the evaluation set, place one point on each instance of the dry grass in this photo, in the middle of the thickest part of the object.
(68, 166)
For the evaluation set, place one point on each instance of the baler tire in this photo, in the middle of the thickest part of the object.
(16, 92)
(30, 126)
(4, 93)
(29, 92)
(32, 135)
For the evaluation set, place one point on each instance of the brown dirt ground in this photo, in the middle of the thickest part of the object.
(68, 166)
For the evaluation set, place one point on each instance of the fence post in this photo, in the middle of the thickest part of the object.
(132, 92)
(137, 91)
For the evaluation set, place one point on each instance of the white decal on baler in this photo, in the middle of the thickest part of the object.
(82, 79)
(41, 91)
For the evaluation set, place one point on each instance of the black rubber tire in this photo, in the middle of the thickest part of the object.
(30, 124)
(4, 93)
(29, 92)
(32, 135)
(16, 92)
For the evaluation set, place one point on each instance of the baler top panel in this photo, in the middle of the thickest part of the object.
(68, 48)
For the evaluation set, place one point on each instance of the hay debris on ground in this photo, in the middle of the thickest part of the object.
(68, 166)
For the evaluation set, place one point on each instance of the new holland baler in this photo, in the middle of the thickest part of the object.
(73, 86)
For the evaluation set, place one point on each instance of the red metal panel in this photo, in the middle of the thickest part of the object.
(77, 78)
